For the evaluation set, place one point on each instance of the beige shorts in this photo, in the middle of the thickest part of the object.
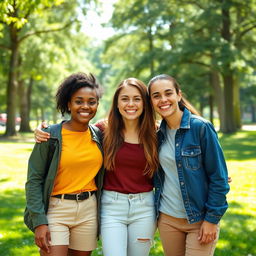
(73, 223)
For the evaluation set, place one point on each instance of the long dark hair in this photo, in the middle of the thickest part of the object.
(184, 103)
(113, 134)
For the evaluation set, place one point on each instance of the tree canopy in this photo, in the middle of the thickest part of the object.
(208, 46)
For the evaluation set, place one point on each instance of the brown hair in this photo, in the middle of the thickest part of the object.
(183, 103)
(113, 134)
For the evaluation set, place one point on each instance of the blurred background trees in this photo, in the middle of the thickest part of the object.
(207, 45)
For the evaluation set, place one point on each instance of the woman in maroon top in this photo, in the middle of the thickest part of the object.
(130, 158)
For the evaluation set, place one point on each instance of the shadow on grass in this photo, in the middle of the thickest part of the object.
(237, 236)
(16, 237)
(239, 146)
(4, 180)
(20, 137)
(236, 239)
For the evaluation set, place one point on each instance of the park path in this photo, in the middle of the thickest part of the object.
(249, 127)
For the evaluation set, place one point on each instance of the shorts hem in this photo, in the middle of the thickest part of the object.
(88, 249)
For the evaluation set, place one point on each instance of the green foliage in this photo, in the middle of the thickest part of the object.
(180, 38)
(185, 39)
(50, 46)
(17, 12)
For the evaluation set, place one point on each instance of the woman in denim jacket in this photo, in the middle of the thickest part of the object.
(192, 182)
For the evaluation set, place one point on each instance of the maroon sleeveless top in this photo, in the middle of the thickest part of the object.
(128, 175)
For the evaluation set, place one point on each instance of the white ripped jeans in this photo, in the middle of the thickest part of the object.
(127, 223)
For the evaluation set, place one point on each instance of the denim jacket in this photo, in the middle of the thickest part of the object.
(201, 166)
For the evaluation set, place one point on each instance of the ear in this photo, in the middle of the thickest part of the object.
(179, 95)
(69, 106)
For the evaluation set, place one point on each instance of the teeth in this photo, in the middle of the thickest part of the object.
(84, 114)
(165, 107)
(130, 111)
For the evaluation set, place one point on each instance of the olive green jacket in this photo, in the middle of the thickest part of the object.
(42, 172)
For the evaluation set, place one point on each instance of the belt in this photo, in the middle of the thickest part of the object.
(77, 197)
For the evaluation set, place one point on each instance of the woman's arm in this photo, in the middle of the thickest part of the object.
(35, 181)
(217, 174)
(34, 194)
(41, 136)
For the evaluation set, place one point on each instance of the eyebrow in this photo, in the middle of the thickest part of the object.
(167, 90)
(81, 98)
(125, 95)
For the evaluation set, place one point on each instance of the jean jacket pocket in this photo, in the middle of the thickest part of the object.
(192, 157)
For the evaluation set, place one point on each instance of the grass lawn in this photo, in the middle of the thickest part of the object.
(237, 238)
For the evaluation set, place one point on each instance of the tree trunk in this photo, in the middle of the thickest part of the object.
(12, 84)
(29, 95)
(201, 106)
(24, 108)
(229, 122)
(237, 107)
(228, 75)
(218, 95)
(210, 100)
(253, 114)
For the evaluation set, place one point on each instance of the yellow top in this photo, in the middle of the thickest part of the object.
(80, 161)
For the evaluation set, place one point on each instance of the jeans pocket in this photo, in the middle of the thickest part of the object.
(106, 198)
(53, 203)
(148, 200)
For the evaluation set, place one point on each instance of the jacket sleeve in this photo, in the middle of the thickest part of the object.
(35, 182)
(216, 170)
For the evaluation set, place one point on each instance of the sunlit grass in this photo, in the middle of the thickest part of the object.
(237, 236)
(238, 225)
(14, 158)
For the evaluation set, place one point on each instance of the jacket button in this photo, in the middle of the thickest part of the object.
(179, 165)
(182, 183)
(177, 144)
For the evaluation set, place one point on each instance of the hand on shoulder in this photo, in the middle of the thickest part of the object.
(39, 134)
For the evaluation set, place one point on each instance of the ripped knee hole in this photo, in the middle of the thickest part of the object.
(143, 240)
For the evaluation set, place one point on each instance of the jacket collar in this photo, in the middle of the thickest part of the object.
(95, 136)
(184, 124)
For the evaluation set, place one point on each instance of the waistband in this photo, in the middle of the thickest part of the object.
(128, 196)
(78, 197)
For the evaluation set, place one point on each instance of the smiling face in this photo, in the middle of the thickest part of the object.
(165, 98)
(130, 103)
(83, 105)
